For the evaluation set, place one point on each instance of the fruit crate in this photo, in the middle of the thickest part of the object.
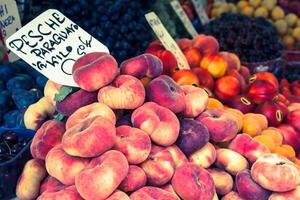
(11, 169)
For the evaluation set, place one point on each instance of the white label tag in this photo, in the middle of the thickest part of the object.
(220, 1)
(51, 43)
(200, 11)
(9, 22)
(184, 18)
(166, 39)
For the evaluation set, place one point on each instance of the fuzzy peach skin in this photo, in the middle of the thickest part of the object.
(221, 125)
(159, 167)
(51, 88)
(290, 195)
(290, 136)
(51, 184)
(143, 65)
(293, 106)
(195, 100)
(28, 185)
(125, 92)
(206, 44)
(135, 179)
(193, 182)
(134, 143)
(232, 196)
(246, 146)
(64, 167)
(102, 176)
(160, 123)
(247, 188)
(89, 111)
(37, 113)
(94, 70)
(46, 137)
(285, 174)
(118, 195)
(222, 180)
(164, 91)
(231, 161)
(232, 60)
(205, 156)
(184, 43)
(169, 188)
(238, 115)
(90, 138)
(177, 155)
(152, 193)
(68, 193)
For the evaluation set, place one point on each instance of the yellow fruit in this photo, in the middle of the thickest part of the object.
(248, 10)
(298, 23)
(261, 12)
(266, 140)
(217, 4)
(233, 8)
(269, 4)
(288, 40)
(275, 134)
(242, 4)
(290, 31)
(291, 19)
(255, 3)
(281, 26)
(277, 13)
(296, 34)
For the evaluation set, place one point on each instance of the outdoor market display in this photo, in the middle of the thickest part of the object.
(208, 117)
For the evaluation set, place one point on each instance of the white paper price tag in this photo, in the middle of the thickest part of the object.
(51, 43)
(166, 39)
(9, 22)
(183, 18)
(200, 11)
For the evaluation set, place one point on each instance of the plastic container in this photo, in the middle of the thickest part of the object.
(11, 169)
(270, 65)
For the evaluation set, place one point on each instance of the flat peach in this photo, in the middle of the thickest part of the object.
(231, 161)
(28, 185)
(118, 195)
(160, 123)
(159, 167)
(134, 143)
(89, 111)
(101, 177)
(94, 70)
(125, 92)
(135, 179)
(152, 193)
(46, 137)
(62, 166)
(90, 138)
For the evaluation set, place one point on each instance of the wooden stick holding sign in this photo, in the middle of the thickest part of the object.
(183, 18)
(167, 41)
(200, 11)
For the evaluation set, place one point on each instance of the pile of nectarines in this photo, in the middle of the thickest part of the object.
(122, 140)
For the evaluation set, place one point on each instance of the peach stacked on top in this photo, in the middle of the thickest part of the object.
(164, 141)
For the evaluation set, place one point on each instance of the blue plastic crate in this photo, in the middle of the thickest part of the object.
(11, 169)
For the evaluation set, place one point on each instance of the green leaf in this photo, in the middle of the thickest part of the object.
(59, 117)
(64, 92)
